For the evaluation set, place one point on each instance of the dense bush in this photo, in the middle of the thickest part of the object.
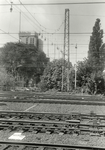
(7, 81)
(52, 77)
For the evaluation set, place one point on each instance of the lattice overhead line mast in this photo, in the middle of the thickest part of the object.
(66, 49)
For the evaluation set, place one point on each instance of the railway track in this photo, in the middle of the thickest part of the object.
(54, 97)
(54, 101)
(69, 97)
(50, 127)
(37, 146)
(50, 98)
(50, 116)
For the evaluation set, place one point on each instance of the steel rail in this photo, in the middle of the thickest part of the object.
(53, 127)
(70, 97)
(51, 116)
(52, 96)
(53, 145)
(79, 102)
(51, 113)
(65, 123)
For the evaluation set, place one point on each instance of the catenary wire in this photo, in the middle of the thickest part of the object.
(70, 3)
(9, 34)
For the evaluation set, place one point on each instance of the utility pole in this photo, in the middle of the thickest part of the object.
(19, 25)
(68, 52)
(11, 7)
(62, 88)
(48, 45)
(66, 49)
(54, 51)
(20, 22)
(76, 68)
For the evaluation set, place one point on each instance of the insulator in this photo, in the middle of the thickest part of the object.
(11, 9)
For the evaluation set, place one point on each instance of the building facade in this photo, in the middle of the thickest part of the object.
(29, 38)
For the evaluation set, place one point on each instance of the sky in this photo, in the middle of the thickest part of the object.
(49, 21)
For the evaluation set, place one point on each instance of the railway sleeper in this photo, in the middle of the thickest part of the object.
(43, 130)
(57, 119)
(20, 116)
(4, 147)
(51, 130)
(45, 118)
(55, 129)
(48, 132)
(32, 124)
(10, 147)
(30, 116)
(49, 148)
(51, 117)
(29, 148)
(70, 132)
(13, 128)
(31, 128)
(60, 130)
(4, 116)
(48, 118)
(25, 129)
(94, 134)
(37, 129)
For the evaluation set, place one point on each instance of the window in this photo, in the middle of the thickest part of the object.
(26, 40)
(31, 40)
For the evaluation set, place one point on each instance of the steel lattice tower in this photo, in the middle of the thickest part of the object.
(66, 47)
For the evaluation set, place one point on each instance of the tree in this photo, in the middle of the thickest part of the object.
(102, 56)
(22, 60)
(7, 81)
(96, 55)
(95, 50)
(89, 71)
(41, 63)
(84, 70)
(52, 76)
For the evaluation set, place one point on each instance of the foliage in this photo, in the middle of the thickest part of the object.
(102, 56)
(89, 71)
(52, 77)
(95, 49)
(90, 82)
(41, 64)
(23, 60)
(84, 71)
(7, 81)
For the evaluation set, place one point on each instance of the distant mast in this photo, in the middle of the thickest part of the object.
(20, 23)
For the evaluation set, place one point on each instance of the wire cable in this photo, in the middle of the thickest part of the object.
(80, 33)
(9, 34)
(70, 3)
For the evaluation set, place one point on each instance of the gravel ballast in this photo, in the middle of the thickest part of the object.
(55, 138)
